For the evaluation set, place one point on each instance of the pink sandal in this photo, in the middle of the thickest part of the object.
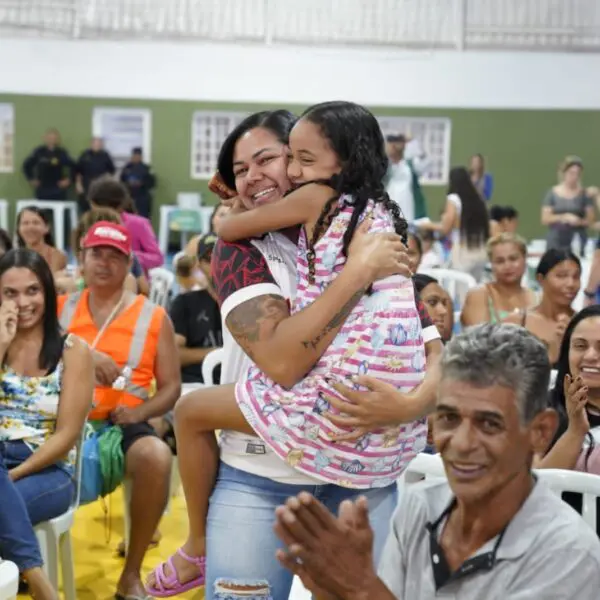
(166, 586)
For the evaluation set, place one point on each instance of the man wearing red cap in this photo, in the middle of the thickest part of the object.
(134, 344)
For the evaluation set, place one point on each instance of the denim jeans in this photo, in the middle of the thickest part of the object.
(241, 543)
(27, 502)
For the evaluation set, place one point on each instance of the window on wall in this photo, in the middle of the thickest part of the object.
(7, 136)
(123, 129)
(430, 136)
(209, 130)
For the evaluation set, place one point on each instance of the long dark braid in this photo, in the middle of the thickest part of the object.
(321, 226)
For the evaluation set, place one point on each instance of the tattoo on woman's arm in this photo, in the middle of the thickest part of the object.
(337, 320)
(247, 321)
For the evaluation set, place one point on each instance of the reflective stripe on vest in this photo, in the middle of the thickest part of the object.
(138, 340)
(68, 311)
(136, 349)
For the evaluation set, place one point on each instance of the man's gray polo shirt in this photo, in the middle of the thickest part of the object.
(547, 552)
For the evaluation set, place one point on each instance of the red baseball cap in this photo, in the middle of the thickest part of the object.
(105, 233)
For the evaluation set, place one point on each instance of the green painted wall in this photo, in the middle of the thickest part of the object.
(523, 148)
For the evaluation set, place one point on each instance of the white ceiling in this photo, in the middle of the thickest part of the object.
(559, 25)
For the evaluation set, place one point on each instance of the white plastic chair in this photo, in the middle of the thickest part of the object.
(536, 248)
(430, 466)
(54, 538)
(424, 465)
(189, 200)
(586, 484)
(209, 364)
(9, 580)
(553, 375)
(586, 267)
(161, 284)
(456, 283)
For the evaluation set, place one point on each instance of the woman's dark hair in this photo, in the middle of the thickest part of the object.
(107, 192)
(421, 281)
(481, 160)
(553, 257)
(278, 122)
(355, 136)
(5, 241)
(474, 216)
(557, 394)
(23, 258)
(48, 239)
(497, 213)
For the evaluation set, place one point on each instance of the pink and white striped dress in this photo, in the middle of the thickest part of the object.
(382, 337)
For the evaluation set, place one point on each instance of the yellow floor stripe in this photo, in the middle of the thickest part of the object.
(97, 566)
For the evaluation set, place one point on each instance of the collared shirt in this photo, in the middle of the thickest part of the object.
(546, 552)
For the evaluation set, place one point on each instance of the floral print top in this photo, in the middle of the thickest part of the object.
(29, 407)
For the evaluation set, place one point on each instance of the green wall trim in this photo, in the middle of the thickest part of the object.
(523, 148)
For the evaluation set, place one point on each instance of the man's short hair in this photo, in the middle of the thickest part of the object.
(501, 354)
(107, 192)
(396, 138)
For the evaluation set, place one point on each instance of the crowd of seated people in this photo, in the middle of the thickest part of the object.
(91, 327)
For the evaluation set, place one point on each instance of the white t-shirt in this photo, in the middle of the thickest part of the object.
(243, 271)
(242, 451)
(455, 234)
(400, 190)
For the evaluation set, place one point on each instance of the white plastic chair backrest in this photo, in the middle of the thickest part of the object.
(553, 375)
(586, 484)
(424, 465)
(456, 283)
(558, 480)
(536, 247)
(189, 200)
(9, 580)
(209, 364)
(586, 267)
(161, 283)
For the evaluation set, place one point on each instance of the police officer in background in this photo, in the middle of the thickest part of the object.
(49, 168)
(93, 163)
(139, 179)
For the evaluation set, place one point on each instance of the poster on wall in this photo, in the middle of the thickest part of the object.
(427, 136)
(123, 129)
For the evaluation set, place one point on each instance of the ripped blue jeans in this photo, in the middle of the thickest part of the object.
(27, 502)
(241, 543)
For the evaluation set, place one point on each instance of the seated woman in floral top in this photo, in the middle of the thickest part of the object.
(46, 390)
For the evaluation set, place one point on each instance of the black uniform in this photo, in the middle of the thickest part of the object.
(91, 165)
(139, 179)
(49, 166)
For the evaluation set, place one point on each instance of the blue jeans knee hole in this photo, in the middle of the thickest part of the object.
(234, 589)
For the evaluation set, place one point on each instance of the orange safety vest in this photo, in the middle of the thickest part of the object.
(131, 339)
